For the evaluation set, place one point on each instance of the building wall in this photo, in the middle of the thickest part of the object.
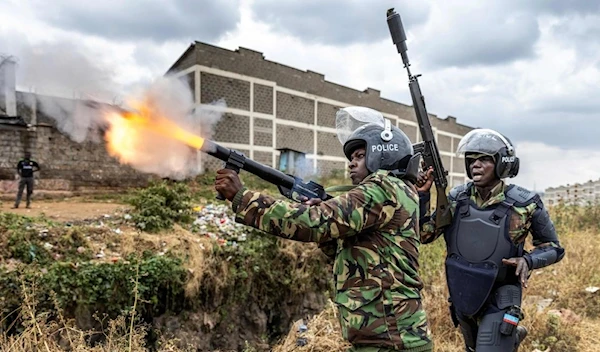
(65, 165)
(573, 194)
(269, 106)
(289, 108)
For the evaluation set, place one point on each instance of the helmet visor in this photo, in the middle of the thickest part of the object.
(482, 141)
(348, 120)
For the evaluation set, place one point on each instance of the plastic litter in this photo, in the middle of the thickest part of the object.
(218, 223)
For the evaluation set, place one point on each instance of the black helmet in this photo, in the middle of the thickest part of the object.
(386, 148)
(494, 144)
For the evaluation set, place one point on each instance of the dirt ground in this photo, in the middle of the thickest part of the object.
(72, 209)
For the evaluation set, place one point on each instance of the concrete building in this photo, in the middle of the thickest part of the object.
(574, 194)
(270, 107)
(274, 106)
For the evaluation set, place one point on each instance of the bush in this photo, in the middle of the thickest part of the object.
(161, 205)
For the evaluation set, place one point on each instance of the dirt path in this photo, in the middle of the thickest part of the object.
(65, 210)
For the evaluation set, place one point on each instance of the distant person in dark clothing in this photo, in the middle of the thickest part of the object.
(26, 168)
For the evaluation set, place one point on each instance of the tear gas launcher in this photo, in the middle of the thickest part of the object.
(290, 186)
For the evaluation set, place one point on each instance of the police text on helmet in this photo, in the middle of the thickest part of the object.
(508, 159)
(391, 147)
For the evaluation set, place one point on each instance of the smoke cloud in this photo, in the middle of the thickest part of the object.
(76, 91)
(150, 151)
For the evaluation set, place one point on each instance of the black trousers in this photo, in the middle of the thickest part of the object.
(24, 181)
(482, 331)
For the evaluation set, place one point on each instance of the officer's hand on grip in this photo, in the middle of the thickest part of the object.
(522, 268)
(312, 201)
(228, 183)
(425, 180)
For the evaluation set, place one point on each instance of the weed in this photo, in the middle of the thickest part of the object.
(161, 205)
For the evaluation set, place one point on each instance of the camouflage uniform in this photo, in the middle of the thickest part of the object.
(376, 260)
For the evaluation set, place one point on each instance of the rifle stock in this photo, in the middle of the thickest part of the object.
(428, 148)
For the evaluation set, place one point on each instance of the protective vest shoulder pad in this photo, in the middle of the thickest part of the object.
(454, 192)
(520, 195)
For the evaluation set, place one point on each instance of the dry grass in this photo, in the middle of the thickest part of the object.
(50, 335)
(569, 323)
(177, 241)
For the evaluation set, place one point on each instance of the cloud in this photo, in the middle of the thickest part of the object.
(544, 166)
(560, 7)
(134, 20)
(59, 68)
(477, 33)
(336, 22)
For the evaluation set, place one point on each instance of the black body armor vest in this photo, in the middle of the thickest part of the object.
(476, 242)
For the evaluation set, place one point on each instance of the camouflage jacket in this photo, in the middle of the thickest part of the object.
(523, 219)
(376, 261)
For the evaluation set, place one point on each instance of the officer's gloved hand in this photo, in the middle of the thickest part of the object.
(522, 268)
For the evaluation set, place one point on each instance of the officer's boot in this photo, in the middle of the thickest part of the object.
(521, 334)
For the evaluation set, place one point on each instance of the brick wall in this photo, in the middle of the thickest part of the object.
(13, 143)
(329, 144)
(298, 108)
(233, 129)
(263, 99)
(264, 158)
(325, 167)
(296, 138)
(410, 131)
(295, 108)
(236, 92)
(251, 63)
(444, 143)
(65, 165)
(263, 132)
(326, 114)
(459, 165)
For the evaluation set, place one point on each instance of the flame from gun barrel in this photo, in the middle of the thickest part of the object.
(125, 127)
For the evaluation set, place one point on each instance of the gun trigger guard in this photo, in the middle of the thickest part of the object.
(286, 192)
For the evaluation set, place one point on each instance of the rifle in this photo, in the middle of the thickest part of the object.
(428, 148)
(290, 186)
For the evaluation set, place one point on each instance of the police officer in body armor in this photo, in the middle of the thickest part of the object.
(25, 168)
(486, 264)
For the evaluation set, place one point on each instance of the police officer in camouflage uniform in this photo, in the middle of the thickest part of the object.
(486, 264)
(375, 225)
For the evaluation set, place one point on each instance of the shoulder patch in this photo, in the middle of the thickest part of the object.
(521, 195)
(454, 192)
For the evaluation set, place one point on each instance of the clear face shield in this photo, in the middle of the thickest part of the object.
(347, 120)
(483, 141)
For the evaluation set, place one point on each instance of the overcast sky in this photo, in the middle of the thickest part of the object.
(530, 69)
